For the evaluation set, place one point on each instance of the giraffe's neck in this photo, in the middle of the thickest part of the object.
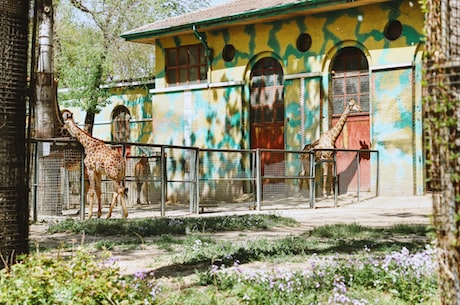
(337, 129)
(84, 138)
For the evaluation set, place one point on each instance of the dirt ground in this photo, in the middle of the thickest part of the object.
(375, 212)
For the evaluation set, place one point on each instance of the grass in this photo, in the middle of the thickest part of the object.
(145, 227)
(334, 264)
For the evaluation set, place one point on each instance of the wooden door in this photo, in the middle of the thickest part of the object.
(267, 109)
(350, 80)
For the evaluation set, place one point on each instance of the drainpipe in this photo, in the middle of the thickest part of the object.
(208, 51)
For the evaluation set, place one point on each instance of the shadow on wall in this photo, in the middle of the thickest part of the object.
(348, 177)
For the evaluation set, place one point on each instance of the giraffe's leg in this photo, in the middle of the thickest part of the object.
(119, 194)
(329, 179)
(145, 191)
(320, 178)
(91, 192)
(98, 181)
(139, 189)
(112, 205)
(305, 171)
(122, 197)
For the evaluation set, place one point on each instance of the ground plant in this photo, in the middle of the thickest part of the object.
(333, 264)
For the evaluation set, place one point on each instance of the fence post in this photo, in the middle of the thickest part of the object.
(194, 192)
(82, 186)
(358, 174)
(335, 178)
(35, 192)
(258, 179)
(164, 181)
(312, 179)
(377, 186)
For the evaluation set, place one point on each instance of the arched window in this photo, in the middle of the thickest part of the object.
(350, 80)
(120, 124)
(267, 101)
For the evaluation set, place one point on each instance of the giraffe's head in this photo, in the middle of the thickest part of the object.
(67, 117)
(353, 106)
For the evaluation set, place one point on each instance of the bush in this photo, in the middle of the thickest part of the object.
(78, 279)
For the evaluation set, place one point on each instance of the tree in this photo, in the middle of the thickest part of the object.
(90, 51)
(46, 118)
(442, 106)
(14, 211)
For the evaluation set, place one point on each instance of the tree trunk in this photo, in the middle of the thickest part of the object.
(442, 106)
(89, 122)
(14, 210)
(46, 110)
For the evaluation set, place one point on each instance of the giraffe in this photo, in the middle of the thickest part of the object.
(327, 141)
(142, 173)
(100, 159)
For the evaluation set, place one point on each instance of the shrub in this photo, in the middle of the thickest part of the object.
(78, 279)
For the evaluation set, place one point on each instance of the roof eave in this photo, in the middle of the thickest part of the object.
(310, 7)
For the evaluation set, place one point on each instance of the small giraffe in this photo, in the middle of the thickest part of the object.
(100, 159)
(327, 141)
(142, 174)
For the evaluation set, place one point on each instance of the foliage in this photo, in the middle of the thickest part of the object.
(333, 280)
(182, 225)
(79, 279)
(325, 272)
(442, 132)
(90, 52)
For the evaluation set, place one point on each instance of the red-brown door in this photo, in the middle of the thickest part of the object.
(350, 80)
(355, 135)
(267, 109)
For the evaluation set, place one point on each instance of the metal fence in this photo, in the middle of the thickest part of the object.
(172, 180)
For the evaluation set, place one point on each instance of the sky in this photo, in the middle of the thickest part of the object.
(217, 2)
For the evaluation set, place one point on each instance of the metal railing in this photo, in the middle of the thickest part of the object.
(189, 180)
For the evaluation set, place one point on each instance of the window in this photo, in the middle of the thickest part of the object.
(228, 52)
(350, 80)
(303, 42)
(120, 124)
(186, 65)
(267, 101)
(393, 30)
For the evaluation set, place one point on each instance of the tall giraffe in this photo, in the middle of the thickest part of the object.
(100, 159)
(327, 141)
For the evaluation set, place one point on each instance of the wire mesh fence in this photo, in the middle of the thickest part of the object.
(13, 88)
(169, 180)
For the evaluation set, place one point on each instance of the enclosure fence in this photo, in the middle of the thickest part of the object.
(166, 179)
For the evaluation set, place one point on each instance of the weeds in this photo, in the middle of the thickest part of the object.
(145, 227)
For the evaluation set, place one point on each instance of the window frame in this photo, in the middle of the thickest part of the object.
(267, 92)
(121, 128)
(186, 70)
(361, 94)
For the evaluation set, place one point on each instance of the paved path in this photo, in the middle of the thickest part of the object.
(376, 212)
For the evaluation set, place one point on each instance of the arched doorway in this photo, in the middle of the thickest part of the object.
(267, 109)
(267, 104)
(120, 131)
(350, 80)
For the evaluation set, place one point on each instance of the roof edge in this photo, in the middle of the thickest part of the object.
(137, 35)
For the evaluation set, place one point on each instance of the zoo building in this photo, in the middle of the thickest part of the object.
(276, 75)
